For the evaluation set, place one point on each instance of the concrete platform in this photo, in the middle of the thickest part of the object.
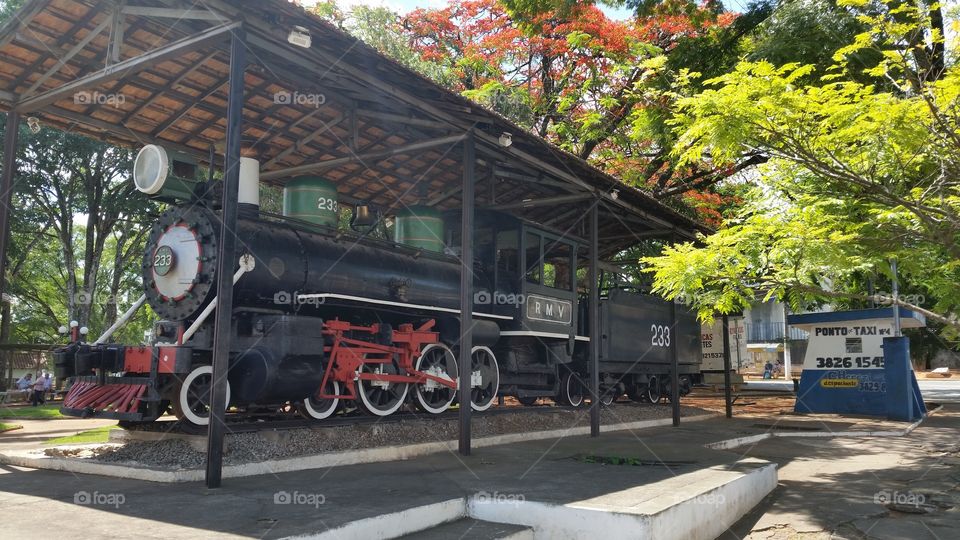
(664, 484)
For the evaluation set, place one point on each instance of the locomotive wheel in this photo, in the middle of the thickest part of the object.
(381, 398)
(607, 397)
(654, 392)
(484, 378)
(193, 397)
(317, 408)
(571, 390)
(437, 360)
(684, 389)
(528, 401)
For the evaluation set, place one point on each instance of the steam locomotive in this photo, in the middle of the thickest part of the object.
(327, 315)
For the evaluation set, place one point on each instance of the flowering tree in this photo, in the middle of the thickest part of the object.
(599, 88)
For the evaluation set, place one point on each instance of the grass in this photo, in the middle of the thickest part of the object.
(98, 435)
(31, 413)
(8, 427)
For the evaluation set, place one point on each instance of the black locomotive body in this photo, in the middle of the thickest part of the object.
(324, 316)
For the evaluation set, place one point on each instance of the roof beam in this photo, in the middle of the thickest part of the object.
(169, 86)
(535, 179)
(56, 47)
(331, 163)
(548, 201)
(175, 118)
(9, 30)
(303, 142)
(171, 13)
(445, 195)
(131, 65)
(107, 127)
(116, 33)
(400, 119)
(70, 54)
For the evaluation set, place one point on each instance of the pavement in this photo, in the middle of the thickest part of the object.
(827, 486)
(654, 465)
(878, 488)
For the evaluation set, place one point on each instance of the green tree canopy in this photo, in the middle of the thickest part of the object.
(858, 174)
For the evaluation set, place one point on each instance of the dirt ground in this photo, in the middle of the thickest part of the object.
(744, 404)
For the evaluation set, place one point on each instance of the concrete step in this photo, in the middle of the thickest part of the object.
(473, 529)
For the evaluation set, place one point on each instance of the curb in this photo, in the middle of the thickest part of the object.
(728, 444)
(395, 524)
(697, 512)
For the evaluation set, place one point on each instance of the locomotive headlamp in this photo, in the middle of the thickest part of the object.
(152, 175)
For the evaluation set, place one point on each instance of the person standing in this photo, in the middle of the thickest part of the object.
(37, 397)
(47, 386)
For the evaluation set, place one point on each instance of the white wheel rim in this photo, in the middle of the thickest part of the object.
(326, 413)
(651, 384)
(419, 388)
(496, 386)
(375, 409)
(193, 417)
(570, 380)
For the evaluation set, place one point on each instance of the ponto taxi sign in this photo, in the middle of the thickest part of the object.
(855, 365)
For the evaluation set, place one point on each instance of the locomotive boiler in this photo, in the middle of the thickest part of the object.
(326, 314)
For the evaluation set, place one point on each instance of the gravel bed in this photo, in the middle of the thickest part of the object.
(177, 453)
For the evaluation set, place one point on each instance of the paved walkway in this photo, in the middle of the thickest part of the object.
(563, 470)
(833, 488)
(826, 486)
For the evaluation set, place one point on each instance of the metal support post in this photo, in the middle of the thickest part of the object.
(10, 138)
(727, 398)
(227, 260)
(675, 365)
(594, 315)
(466, 290)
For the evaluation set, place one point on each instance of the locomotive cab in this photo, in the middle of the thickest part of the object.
(525, 275)
(521, 271)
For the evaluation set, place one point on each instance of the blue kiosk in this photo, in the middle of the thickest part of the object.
(854, 364)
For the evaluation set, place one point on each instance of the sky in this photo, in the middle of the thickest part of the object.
(405, 6)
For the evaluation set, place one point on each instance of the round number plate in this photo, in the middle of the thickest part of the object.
(163, 260)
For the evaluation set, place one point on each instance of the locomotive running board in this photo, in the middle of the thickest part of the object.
(425, 307)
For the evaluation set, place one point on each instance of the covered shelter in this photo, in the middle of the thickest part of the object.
(223, 78)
